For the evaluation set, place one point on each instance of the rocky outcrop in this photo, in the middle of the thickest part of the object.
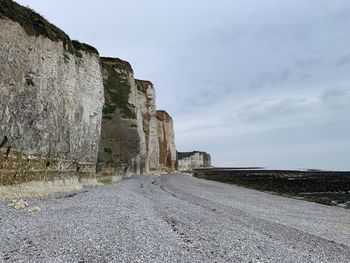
(166, 139)
(123, 142)
(187, 161)
(147, 97)
(51, 98)
(129, 140)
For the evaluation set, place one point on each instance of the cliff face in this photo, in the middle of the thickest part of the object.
(51, 98)
(135, 137)
(67, 113)
(166, 139)
(187, 161)
(147, 99)
(122, 137)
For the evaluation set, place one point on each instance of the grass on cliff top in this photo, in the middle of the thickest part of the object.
(117, 63)
(35, 25)
(117, 91)
(182, 155)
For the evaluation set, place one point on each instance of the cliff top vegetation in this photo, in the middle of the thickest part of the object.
(117, 63)
(182, 155)
(35, 25)
(117, 91)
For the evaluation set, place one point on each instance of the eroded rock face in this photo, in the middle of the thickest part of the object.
(147, 99)
(65, 112)
(123, 140)
(187, 161)
(51, 98)
(166, 139)
(129, 126)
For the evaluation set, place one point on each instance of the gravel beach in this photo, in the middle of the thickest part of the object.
(172, 218)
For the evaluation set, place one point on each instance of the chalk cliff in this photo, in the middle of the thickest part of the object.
(166, 138)
(129, 138)
(51, 98)
(187, 161)
(123, 142)
(67, 113)
(147, 99)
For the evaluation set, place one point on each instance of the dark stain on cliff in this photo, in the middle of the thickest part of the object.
(3, 142)
(120, 141)
(117, 88)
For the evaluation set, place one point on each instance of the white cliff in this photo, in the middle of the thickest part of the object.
(51, 98)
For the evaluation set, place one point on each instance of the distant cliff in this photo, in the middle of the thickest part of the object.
(187, 161)
(68, 116)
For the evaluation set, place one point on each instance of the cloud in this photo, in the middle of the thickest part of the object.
(308, 62)
(336, 99)
(271, 78)
(274, 108)
(210, 93)
(343, 60)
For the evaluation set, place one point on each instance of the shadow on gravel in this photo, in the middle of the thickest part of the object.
(71, 194)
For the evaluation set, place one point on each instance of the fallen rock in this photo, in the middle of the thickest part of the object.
(34, 209)
(21, 204)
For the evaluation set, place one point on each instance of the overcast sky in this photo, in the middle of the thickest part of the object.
(254, 83)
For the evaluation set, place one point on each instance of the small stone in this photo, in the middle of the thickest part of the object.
(21, 204)
(34, 209)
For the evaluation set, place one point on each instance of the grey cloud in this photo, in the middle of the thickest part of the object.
(308, 62)
(305, 76)
(271, 78)
(344, 60)
(271, 109)
(218, 37)
(337, 99)
(210, 93)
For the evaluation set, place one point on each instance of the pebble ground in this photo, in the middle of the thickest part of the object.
(173, 218)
